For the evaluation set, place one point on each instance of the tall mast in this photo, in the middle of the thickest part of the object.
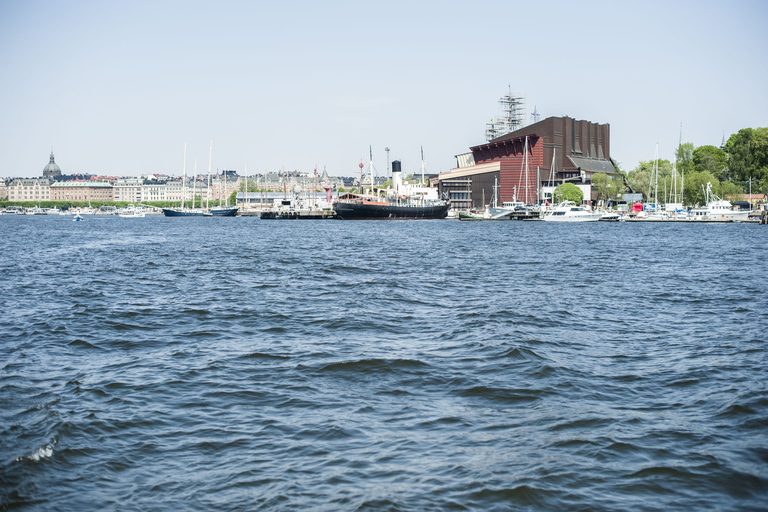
(208, 194)
(184, 176)
(245, 198)
(194, 182)
(525, 158)
(370, 166)
(656, 167)
(682, 171)
(422, 165)
(552, 177)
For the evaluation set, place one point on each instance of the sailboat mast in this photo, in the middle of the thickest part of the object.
(208, 194)
(194, 182)
(370, 166)
(422, 165)
(656, 165)
(525, 158)
(184, 177)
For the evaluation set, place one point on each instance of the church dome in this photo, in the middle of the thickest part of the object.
(51, 169)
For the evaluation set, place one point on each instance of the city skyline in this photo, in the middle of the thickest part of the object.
(118, 89)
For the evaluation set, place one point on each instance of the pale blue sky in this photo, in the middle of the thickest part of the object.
(117, 88)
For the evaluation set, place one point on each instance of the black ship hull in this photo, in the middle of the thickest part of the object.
(168, 212)
(366, 210)
(224, 211)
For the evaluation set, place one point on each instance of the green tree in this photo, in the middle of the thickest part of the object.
(600, 185)
(642, 180)
(728, 188)
(608, 186)
(711, 159)
(568, 192)
(695, 184)
(684, 157)
(748, 157)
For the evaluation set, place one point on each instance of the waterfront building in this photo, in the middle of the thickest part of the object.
(29, 189)
(3, 189)
(51, 171)
(128, 190)
(81, 191)
(529, 163)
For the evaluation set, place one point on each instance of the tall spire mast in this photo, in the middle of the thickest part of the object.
(208, 192)
(184, 177)
(422, 165)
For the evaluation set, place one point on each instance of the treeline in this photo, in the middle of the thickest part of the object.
(742, 162)
(99, 204)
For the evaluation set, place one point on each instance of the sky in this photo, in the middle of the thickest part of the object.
(119, 88)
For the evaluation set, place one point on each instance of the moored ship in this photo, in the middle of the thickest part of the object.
(401, 201)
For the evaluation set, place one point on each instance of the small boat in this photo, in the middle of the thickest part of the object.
(610, 217)
(483, 215)
(77, 218)
(132, 211)
(567, 211)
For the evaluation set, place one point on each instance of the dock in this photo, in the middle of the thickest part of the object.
(299, 214)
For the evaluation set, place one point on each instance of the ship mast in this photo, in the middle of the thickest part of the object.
(184, 176)
(208, 193)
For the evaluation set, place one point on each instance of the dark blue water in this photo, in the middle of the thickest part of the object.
(239, 364)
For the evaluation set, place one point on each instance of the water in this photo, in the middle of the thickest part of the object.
(238, 364)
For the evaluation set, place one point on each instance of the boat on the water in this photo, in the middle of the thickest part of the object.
(401, 201)
(716, 210)
(610, 216)
(567, 211)
(132, 211)
(224, 211)
(178, 212)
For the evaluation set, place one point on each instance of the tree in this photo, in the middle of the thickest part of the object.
(711, 159)
(640, 178)
(684, 157)
(568, 192)
(748, 157)
(695, 183)
(610, 187)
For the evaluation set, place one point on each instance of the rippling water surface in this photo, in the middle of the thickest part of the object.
(238, 364)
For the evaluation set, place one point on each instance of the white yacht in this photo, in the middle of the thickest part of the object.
(716, 210)
(567, 211)
(132, 211)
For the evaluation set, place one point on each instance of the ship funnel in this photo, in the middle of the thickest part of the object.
(397, 181)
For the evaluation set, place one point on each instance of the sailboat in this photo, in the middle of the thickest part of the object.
(182, 212)
(221, 211)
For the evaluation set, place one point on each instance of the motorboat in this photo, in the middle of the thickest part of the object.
(610, 216)
(567, 211)
(716, 210)
(132, 211)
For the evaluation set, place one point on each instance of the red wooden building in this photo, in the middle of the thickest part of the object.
(525, 162)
